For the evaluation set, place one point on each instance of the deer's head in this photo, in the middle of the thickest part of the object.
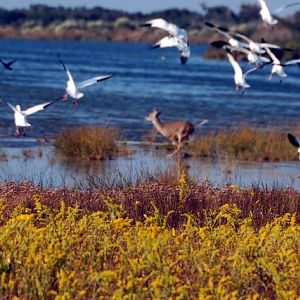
(153, 115)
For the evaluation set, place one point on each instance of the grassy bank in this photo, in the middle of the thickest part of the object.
(246, 143)
(181, 197)
(88, 143)
(125, 245)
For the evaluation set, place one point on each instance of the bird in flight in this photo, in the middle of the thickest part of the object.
(74, 90)
(20, 116)
(177, 37)
(8, 64)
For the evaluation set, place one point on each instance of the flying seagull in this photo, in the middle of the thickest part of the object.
(225, 32)
(73, 90)
(278, 66)
(266, 14)
(294, 141)
(249, 43)
(8, 65)
(252, 57)
(178, 38)
(239, 76)
(20, 116)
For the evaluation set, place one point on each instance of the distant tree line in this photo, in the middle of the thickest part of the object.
(72, 23)
(45, 15)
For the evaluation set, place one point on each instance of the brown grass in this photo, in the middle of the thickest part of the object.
(246, 143)
(88, 143)
(199, 200)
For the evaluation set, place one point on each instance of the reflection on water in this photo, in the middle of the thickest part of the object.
(44, 169)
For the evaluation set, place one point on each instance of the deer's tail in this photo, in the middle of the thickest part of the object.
(200, 123)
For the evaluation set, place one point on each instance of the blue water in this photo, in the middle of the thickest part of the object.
(141, 81)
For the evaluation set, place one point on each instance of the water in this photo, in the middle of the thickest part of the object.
(41, 166)
(141, 81)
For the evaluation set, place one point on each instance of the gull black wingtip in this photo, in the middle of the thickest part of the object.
(146, 24)
(210, 25)
(105, 78)
(219, 44)
(223, 29)
(52, 102)
(293, 140)
(154, 46)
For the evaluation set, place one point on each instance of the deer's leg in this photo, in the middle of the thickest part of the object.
(173, 140)
(179, 145)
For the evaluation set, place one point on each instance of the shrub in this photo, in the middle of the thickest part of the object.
(88, 143)
(245, 143)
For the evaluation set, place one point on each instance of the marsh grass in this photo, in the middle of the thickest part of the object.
(89, 143)
(246, 143)
(264, 204)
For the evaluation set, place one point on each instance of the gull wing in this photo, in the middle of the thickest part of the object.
(264, 45)
(236, 67)
(38, 107)
(241, 36)
(264, 6)
(283, 7)
(12, 107)
(69, 75)
(12, 62)
(272, 56)
(255, 68)
(172, 29)
(168, 41)
(293, 140)
(92, 81)
(291, 62)
(221, 30)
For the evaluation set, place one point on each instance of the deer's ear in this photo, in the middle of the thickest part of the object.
(158, 113)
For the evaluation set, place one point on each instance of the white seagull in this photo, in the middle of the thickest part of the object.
(278, 66)
(248, 43)
(73, 90)
(252, 57)
(265, 12)
(239, 76)
(20, 116)
(230, 39)
(178, 38)
(294, 141)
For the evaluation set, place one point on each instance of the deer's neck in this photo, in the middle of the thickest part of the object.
(158, 125)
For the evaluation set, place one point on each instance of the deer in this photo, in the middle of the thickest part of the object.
(177, 131)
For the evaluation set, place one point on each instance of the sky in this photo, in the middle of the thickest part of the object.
(141, 5)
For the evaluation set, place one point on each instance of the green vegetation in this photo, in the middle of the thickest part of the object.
(63, 245)
(88, 143)
(246, 143)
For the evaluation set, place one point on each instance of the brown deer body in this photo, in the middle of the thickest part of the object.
(176, 132)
